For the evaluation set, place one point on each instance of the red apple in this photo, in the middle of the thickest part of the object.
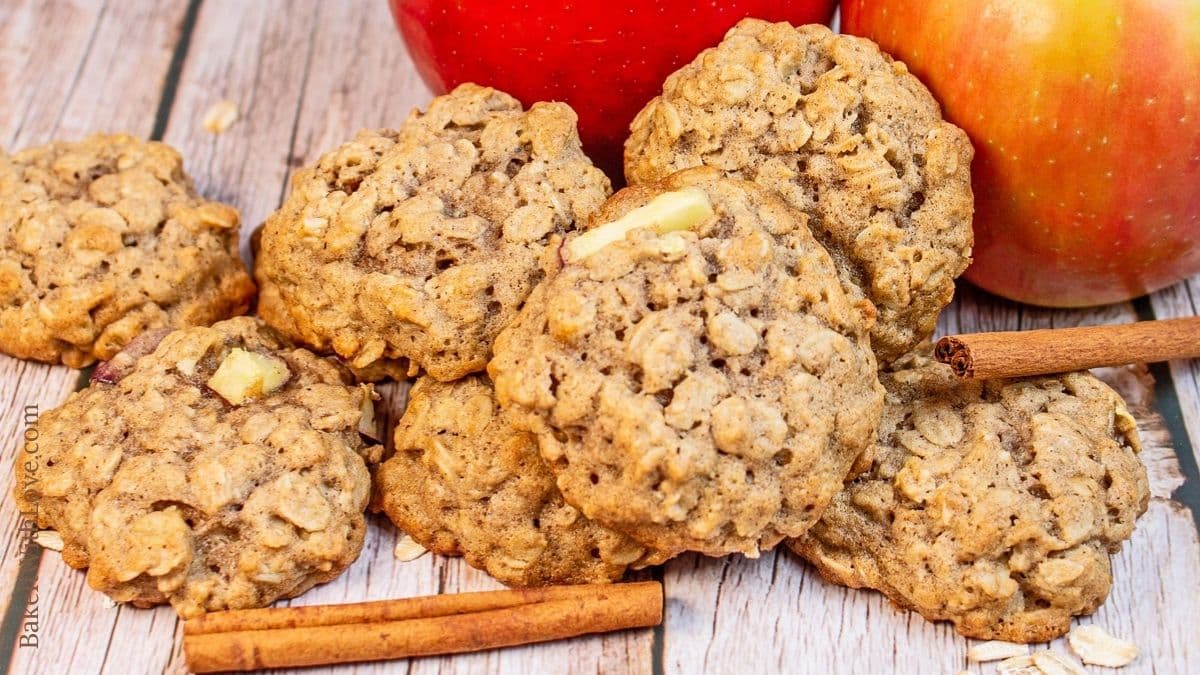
(1085, 117)
(605, 59)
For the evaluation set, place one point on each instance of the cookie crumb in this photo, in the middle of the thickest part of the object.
(220, 116)
(1096, 646)
(107, 602)
(995, 650)
(49, 539)
(408, 550)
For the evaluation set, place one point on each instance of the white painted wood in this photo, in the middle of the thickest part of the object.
(40, 388)
(38, 82)
(306, 75)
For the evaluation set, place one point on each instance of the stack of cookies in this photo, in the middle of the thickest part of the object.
(727, 355)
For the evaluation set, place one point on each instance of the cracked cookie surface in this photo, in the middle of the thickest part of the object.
(464, 481)
(994, 505)
(103, 239)
(413, 248)
(845, 134)
(703, 390)
(167, 493)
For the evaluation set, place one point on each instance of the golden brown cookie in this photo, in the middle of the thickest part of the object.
(103, 239)
(701, 390)
(464, 481)
(994, 504)
(168, 491)
(845, 134)
(415, 247)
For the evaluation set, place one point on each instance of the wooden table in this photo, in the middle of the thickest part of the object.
(306, 75)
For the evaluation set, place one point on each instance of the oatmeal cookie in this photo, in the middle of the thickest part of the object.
(994, 504)
(845, 134)
(415, 247)
(464, 481)
(168, 492)
(702, 390)
(103, 239)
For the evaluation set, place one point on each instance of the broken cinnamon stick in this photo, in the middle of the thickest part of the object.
(449, 624)
(988, 356)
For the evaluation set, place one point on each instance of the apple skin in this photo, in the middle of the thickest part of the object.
(1085, 117)
(605, 59)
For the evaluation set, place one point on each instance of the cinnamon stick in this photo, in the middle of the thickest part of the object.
(1062, 350)
(438, 625)
(269, 618)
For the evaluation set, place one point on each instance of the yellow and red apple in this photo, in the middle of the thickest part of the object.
(1085, 117)
(605, 59)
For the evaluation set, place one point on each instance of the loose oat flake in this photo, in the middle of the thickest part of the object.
(407, 549)
(1053, 663)
(1094, 645)
(995, 650)
(1018, 665)
(220, 116)
(49, 539)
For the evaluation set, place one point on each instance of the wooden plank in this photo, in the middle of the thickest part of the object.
(37, 82)
(67, 73)
(256, 55)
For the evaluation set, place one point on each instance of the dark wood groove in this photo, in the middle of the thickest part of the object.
(171, 81)
(1166, 401)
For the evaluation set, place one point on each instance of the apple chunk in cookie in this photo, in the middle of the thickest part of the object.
(213, 468)
(243, 375)
(669, 212)
(707, 389)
